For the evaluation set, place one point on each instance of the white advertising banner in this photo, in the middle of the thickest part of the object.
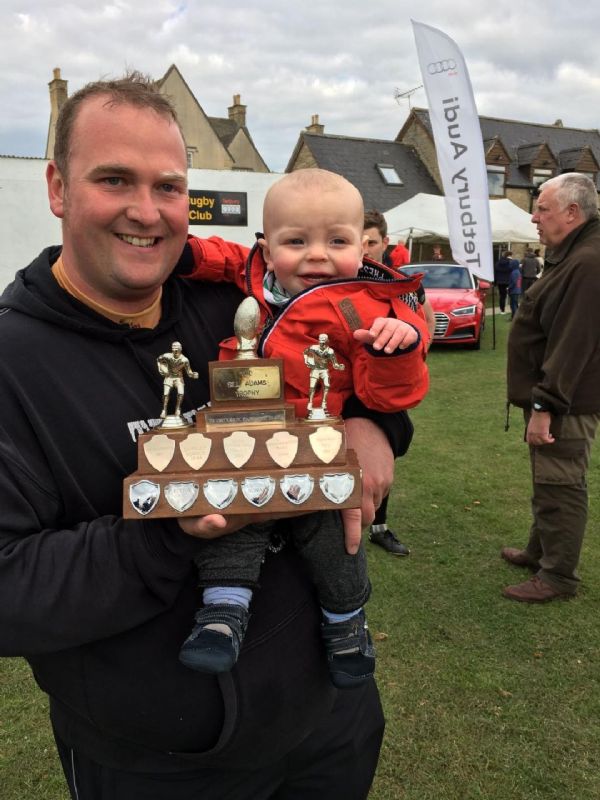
(459, 147)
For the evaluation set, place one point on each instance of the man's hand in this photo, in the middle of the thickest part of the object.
(538, 429)
(212, 526)
(377, 462)
(388, 334)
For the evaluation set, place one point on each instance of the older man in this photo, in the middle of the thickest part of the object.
(99, 605)
(554, 376)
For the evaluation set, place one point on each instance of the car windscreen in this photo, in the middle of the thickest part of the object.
(442, 276)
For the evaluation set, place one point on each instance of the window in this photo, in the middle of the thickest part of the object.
(496, 177)
(190, 156)
(389, 175)
(539, 176)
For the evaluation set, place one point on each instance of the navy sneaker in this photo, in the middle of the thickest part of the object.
(216, 649)
(350, 651)
(389, 541)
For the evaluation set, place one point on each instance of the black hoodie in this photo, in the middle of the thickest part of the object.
(98, 605)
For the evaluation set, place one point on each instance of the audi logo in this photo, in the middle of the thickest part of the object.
(441, 66)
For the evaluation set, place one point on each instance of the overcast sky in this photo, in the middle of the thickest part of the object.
(342, 59)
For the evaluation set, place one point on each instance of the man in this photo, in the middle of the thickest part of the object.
(375, 246)
(554, 375)
(502, 272)
(97, 604)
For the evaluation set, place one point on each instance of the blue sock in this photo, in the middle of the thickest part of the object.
(233, 595)
(331, 617)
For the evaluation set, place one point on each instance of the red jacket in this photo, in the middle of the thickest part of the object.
(382, 382)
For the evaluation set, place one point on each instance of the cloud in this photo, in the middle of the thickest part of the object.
(342, 59)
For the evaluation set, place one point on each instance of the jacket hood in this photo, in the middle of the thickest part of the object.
(36, 293)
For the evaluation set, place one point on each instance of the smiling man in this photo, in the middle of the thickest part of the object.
(99, 605)
(554, 376)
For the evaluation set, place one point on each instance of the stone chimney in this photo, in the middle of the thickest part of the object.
(237, 112)
(314, 126)
(558, 124)
(58, 95)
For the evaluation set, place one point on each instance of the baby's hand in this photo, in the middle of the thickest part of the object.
(387, 334)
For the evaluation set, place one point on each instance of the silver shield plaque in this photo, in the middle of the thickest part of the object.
(337, 487)
(144, 496)
(159, 451)
(258, 490)
(181, 495)
(297, 488)
(238, 447)
(220, 493)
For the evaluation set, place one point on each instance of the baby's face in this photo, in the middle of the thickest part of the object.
(313, 237)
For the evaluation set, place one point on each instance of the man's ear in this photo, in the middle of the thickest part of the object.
(264, 246)
(56, 190)
(386, 241)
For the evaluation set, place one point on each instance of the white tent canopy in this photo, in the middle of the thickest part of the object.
(424, 215)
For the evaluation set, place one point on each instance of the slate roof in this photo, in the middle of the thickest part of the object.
(356, 159)
(515, 135)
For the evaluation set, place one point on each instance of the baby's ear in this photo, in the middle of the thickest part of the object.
(262, 243)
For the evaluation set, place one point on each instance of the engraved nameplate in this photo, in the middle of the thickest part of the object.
(246, 383)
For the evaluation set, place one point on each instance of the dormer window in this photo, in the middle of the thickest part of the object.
(389, 175)
(539, 176)
(496, 179)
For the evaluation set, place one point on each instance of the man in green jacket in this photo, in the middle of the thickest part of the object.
(554, 376)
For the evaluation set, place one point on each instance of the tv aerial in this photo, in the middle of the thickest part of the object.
(398, 95)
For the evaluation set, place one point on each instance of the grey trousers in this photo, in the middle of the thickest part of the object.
(560, 500)
(340, 579)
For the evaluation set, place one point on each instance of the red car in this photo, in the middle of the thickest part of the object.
(458, 302)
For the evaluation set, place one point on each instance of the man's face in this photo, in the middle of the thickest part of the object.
(313, 237)
(375, 244)
(553, 222)
(123, 203)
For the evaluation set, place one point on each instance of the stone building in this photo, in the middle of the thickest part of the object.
(212, 142)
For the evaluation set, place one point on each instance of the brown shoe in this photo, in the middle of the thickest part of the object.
(533, 591)
(518, 558)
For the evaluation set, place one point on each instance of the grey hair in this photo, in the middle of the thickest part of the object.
(574, 187)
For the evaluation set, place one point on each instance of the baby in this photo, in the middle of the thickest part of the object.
(309, 278)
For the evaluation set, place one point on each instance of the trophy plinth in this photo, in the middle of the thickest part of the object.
(248, 453)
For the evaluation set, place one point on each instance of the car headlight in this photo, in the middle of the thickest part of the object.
(465, 311)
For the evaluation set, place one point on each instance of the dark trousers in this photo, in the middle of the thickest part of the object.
(381, 513)
(336, 761)
(341, 579)
(502, 292)
(560, 501)
(514, 304)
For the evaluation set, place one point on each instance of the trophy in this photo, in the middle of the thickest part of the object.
(249, 453)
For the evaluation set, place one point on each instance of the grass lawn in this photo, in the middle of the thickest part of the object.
(484, 698)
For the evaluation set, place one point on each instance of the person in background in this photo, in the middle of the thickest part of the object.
(514, 290)
(399, 256)
(502, 272)
(530, 269)
(437, 254)
(375, 229)
(553, 375)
